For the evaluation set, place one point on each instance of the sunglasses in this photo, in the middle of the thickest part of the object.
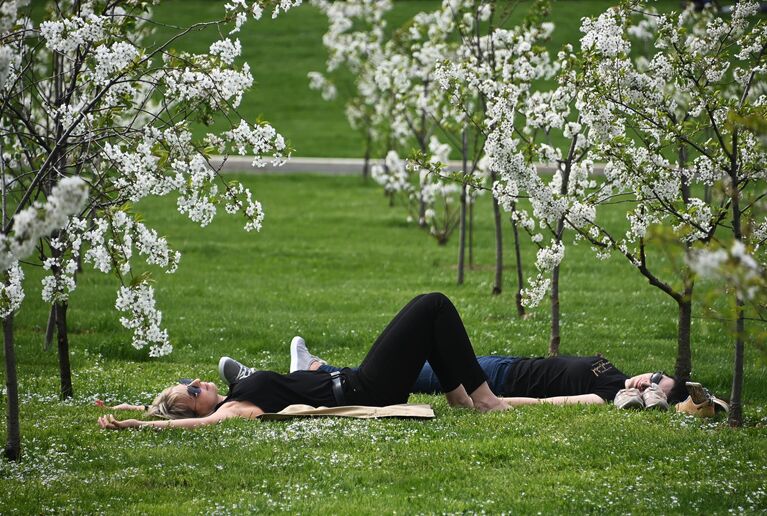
(656, 377)
(192, 390)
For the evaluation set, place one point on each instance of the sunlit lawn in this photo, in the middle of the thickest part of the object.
(334, 263)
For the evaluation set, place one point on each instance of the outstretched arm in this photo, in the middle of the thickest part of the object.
(121, 406)
(246, 411)
(580, 399)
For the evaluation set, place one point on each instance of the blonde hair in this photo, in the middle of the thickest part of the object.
(171, 404)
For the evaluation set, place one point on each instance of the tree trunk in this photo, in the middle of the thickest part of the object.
(736, 396)
(498, 280)
(471, 235)
(13, 443)
(50, 328)
(683, 367)
(518, 265)
(65, 370)
(555, 333)
(736, 402)
(462, 237)
(462, 220)
(366, 166)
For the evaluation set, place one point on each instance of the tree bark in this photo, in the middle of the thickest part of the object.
(65, 370)
(471, 235)
(518, 266)
(366, 166)
(736, 402)
(50, 328)
(683, 367)
(462, 220)
(555, 331)
(736, 396)
(498, 280)
(462, 237)
(13, 443)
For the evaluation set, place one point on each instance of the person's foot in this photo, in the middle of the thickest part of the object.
(491, 405)
(654, 398)
(231, 371)
(300, 358)
(629, 399)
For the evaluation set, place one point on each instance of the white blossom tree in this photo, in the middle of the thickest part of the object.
(89, 107)
(496, 68)
(354, 42)
(648, 117)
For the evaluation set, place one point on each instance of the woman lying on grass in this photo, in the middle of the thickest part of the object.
(428, 328)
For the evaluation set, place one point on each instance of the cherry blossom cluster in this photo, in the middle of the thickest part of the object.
(692, 81)
(354, 42)
(11, 290)
(734, 266)
(143, 319)
(39, 220)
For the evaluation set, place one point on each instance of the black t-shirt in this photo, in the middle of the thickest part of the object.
(563, 376)
(272, 392)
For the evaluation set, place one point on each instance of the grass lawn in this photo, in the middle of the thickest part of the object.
(281, 52)
(334, 263)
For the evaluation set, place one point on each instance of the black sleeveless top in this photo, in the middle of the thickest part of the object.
(272, 392)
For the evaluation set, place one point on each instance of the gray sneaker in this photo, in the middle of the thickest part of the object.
(629, 399)
(231, 371)
(654, 398)
(300, 358)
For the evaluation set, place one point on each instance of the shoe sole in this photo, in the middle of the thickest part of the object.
(294, 353)
(632, 405)
(656, 406)
(696, 392)
(221, 362)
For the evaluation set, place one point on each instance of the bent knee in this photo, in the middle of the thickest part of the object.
(437, 297)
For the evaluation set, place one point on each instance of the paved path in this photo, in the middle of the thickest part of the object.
(329, 166)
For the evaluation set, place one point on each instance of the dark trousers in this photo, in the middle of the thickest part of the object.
(428, 328)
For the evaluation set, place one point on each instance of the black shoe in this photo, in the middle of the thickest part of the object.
(231, 371)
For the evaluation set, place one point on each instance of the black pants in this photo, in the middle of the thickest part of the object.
(428, 328)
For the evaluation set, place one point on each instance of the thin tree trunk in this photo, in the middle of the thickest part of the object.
(498, 279)
(555, 337)
(50, 328)
(471, 235)
(65, 370)
(366, 166)
(462, 221)
(518, 266)
(462, 237)
(736, 396)
(13, 442)
(683, 367)
(736, 402)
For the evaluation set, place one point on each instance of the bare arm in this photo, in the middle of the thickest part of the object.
(229, 410)
(580, 399)
(121, 406)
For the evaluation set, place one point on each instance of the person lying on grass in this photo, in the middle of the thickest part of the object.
(523, 381)
(428, 328)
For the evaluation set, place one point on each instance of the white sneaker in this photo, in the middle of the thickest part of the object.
(629, 399)
(300, 358)
(654, 398)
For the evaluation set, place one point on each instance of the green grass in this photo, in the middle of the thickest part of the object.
(333, 264)
(281, 52)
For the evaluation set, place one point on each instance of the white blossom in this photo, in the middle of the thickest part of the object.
(143, 319)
